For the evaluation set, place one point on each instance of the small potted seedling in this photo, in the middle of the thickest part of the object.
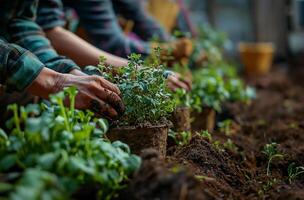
(207, 95)
(148, 104)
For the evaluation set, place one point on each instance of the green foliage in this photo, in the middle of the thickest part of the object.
(144, 91)
(294, 172)
(206, 134)
(211, 42)
(180, 138)
(230, 145)
(217, 81)
(181, 98)
(52, 151)
(208, 89)
(225, 126)
(272, 152)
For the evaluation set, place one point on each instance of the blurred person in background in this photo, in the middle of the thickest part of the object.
(102, 23)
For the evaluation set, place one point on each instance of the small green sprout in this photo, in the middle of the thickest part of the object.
(230, 145)
(272, 152)
(225, 126)
(294, 172)
(206, 134)
(180, 138)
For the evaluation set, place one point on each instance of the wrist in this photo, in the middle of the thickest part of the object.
(47, 82)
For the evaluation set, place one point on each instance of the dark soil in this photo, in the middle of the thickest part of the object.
(218, 169)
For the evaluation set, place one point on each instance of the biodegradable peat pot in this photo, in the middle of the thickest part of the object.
(142, 137)
(181, 119)
(204, 120)
(257, 57)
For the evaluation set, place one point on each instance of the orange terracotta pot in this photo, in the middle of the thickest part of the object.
(256, 57)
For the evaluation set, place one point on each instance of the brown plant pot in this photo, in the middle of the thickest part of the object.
(257, 57)
(140, 138)
(204, 120)
(181, 119)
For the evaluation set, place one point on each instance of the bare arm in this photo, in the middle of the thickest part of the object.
(83, 53)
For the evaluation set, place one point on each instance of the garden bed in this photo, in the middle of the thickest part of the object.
(238, 170)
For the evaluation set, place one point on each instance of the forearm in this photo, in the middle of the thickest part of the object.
(83, 53)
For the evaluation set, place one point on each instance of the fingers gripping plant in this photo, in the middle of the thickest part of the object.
(272, 152)
(52, 151)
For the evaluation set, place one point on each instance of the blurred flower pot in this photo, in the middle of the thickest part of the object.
(204, 120)
(181, 119)
(256, 57)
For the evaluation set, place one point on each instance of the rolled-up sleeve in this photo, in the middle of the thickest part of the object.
(50, 14)
(24, 31)
(18, 67)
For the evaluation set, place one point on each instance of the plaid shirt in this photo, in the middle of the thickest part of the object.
(98, 17)
(17, 25)
(18, 67)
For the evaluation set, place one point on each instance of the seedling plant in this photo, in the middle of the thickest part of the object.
(52, 151)
(294, 172)
(144, 91)
(272, 152)
(180, 138)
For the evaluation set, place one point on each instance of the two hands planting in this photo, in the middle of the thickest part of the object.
(94, 92)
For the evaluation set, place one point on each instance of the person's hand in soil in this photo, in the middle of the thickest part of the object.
(176, 81)
(94, 93)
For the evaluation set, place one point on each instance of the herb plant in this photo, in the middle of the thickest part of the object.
(272, 152)
(52, 151)
(144, 91)
(294, 172)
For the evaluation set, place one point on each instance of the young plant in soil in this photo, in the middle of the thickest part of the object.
(225, 126)
(180, 138)
(206, 134)
(294, 172)
(144, 91)
(52, 152)
(148, 104)
(272, 152)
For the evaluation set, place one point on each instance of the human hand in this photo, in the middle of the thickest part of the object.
(176, 81)
(94, 93)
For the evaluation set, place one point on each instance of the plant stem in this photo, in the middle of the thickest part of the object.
(63, 112)
(16, 118)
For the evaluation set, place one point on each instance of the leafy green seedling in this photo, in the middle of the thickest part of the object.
(230, 145)
(225, 126)
(181, 138)
(294, 172)
(206, 134)
(272, 152)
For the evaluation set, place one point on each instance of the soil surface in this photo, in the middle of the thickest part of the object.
(233, 166)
